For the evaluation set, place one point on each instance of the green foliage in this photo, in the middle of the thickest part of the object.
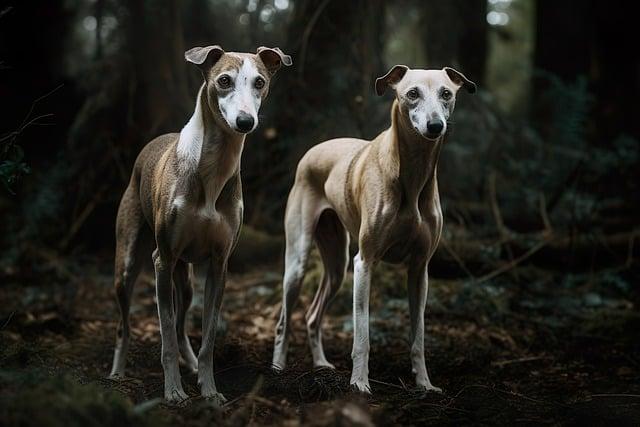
(12, 165)
(560, 164)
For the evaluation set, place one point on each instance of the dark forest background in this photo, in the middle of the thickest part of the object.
(550, 143)
(539, 178)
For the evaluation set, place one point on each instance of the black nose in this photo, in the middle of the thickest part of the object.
(244, 122)
(435, 126)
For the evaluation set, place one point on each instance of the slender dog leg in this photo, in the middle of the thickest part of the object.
(183, 295)
(299, 228)
(213, 292)
(418, 287)
(129, 252)
(125, 277)
(360, 352)
(333, 244)
(173, 391)
(294, 270)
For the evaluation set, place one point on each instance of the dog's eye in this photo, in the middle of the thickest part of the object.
(446, 94)
(259, 83)
(224, 81)
(413, 94)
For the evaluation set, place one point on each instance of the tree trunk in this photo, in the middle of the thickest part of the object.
(336, 48)
(561, 50)
(162, 102)
(455, 34)
(142, 92)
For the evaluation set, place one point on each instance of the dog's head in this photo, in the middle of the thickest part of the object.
(236, 83)
(425, 97)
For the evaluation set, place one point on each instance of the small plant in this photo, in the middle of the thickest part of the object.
(12, 165)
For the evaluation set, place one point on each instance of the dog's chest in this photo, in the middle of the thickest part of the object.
(207, 230)
(410, 232)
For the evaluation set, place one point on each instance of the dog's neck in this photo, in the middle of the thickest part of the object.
(410, 158)
(208, 151)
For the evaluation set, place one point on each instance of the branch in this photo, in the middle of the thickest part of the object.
(514, 263)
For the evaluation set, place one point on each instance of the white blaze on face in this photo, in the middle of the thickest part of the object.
(242, 96)
(429, 105)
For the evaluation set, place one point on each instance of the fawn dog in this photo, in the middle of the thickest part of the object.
(384, 193)
(185, 200)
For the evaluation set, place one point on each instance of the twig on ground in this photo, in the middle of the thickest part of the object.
(616, 395)
(520, 360)
(387, 384)
(8, 320)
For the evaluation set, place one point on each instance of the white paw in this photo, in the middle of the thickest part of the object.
(324, 364)
(362, 386)
(116, 376)
(427, 387)
(175, 395)
(215, 397)
(279, 362)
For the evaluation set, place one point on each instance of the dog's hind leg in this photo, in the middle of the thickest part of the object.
(131, 233)
(183, 294)
(333, 243)
(299, 224)
(418, 287)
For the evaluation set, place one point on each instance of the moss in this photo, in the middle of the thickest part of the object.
(38, 400)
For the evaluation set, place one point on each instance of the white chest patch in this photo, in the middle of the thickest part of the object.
(191, 137)
(178, 202)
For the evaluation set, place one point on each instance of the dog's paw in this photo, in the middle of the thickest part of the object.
(116, 376)
(215, 397)
(361, 386)
(277, 368)
(428, 388)
(175, 396)
(324, 364)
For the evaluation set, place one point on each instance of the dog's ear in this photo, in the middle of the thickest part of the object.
(204, 57)
(273, 58)
(458, 78)
(394, 75)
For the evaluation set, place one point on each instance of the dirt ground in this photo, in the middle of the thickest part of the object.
(531, 352)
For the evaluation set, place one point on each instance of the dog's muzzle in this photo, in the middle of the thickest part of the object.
(434, 128)
(244, 122)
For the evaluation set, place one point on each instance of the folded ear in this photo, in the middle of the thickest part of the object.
(204, 57)
(273, 58)
(458, 78)
(394, 75)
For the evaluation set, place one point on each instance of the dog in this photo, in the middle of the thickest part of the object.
(184, 201)
(382, 192)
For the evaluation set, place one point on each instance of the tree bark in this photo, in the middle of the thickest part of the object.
(336, 48)
(455, 34)
(162, 102)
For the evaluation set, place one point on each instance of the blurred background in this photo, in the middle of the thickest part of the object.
(550, 142)
(539, 177)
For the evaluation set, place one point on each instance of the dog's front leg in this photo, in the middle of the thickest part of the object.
(213, 291)
(418, 286)
(173, 391)
(360, 352)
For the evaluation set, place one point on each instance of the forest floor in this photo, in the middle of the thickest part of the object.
(531, 352)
